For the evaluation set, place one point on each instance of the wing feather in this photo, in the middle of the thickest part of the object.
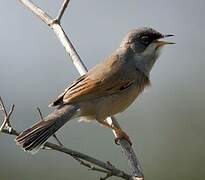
(99, 81)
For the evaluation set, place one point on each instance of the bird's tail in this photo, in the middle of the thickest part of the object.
(32, 139)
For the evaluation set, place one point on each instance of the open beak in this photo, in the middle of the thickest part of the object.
(161, 43)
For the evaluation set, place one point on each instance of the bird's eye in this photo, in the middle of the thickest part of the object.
(145, 40)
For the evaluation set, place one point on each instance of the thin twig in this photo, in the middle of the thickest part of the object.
(62, 10)
(6, 121)
(3, 108)
(40, 113)
(89, 166)
(58, 141)
(37, 11)
(58, 30)
(108, 175)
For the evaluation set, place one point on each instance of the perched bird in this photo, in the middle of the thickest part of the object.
(105, 90)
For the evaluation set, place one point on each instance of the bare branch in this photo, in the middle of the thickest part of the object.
(3, 108)
(37, 11)
(107, 168)
(6, 122)
(59, 33)
(62, 10)
(129, 153)
(58, 141)
(115, 171)
(107, 176)
(40, 113)
(89, 166)
(78, 63)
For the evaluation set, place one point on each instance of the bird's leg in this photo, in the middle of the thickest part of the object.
(120, 134)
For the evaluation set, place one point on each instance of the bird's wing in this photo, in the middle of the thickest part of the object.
(59, 100)
(99, 81)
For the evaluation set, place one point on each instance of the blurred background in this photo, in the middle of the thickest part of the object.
(166, 123)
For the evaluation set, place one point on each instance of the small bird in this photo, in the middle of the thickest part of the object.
(105, 90)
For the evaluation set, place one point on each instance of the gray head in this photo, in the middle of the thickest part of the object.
(145, 44)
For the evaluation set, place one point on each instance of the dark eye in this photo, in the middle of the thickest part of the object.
(144, 40)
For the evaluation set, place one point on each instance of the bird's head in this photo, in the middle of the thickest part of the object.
(145, 44)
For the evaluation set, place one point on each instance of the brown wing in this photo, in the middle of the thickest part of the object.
(89, 89)
(59, 100)
(99, 81)
(93, 89)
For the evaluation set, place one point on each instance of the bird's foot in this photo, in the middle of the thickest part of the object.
(121, 135)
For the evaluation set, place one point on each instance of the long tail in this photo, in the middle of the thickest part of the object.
(33, 138)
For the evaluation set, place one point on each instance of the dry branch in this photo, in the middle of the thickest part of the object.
(54, 23)
(80, 157)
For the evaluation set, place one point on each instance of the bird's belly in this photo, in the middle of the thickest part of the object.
(104, 107)
(118, 102)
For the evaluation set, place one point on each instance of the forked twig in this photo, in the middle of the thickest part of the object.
(6, 123)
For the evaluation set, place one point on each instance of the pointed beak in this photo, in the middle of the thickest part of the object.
(161, 43)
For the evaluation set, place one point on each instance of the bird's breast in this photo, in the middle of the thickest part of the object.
(106, 106)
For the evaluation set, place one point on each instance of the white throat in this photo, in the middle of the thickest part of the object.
(145, 61)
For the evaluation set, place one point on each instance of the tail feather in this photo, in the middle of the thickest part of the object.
(36, 140)
(29, 132)
(34, 137)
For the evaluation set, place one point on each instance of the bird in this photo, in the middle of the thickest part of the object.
(105, 90)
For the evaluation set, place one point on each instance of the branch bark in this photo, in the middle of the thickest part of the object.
(54, 23)
(62, 10)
